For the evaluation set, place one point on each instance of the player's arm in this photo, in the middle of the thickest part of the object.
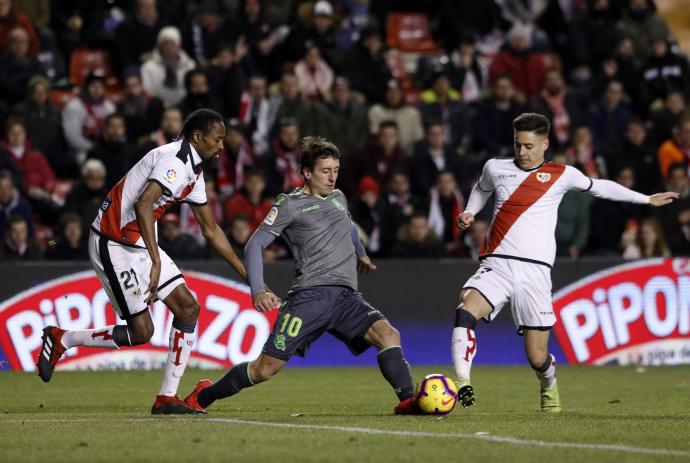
(480, 194)
(214, 235)
(606, 189)
(364, 263)
(264, 299)
(143, 209)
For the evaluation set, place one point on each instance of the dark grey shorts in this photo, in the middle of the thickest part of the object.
(309, 313)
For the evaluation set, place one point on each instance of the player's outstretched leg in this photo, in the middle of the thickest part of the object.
(240, 376)
(464, 348)
(544, 365)
(56, 341)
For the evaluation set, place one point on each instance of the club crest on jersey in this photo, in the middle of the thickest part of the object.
(271, 216)
(543, 177)
(171, 175)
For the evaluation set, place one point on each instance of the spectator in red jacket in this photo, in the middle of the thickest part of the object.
(250, 200)
(10, 18)
(524, 66)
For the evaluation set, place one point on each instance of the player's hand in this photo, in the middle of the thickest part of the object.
(266, 301)
(662, 199)
(465, 220)
(152, 291)
(364, 264)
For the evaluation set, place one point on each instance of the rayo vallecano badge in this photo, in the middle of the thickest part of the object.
(543, 177)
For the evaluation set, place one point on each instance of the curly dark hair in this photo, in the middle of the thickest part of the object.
(314, 148)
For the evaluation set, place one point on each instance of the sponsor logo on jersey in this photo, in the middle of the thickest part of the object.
(171, 176)
(311, 208)
(543, 177)
(635, 313)
(271, 216)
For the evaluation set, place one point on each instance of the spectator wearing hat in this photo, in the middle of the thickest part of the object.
(250, 200)
(366, 68)
(113, 149)
(314, 75)
(162, 75)
(87, 195)
(665, 71)
(406, 117)
(140, 110)
(318, 29)
(369, 212)
(12, 203)
(281, 164)
(17, 66)
(69, 244)
(418, 241)
(44, 125)
(83, 116)
(17, 244)
(176, 244)
(137, 35)
(348, 118)
(198, 93)
(11, 18)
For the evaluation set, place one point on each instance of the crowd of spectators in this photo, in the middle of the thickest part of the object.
(88, 87)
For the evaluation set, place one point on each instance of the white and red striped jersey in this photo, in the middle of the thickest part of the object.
(526, 206)
(176, 167)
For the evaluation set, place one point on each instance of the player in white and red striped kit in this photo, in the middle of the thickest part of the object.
(519, 250)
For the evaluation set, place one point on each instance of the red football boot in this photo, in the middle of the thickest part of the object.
(51, 351)
(191, 399)
(407, 407)
(172, 405)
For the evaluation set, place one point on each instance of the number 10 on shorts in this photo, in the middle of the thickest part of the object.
(292, 324)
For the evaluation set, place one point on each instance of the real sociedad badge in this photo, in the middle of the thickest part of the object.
(543, 177)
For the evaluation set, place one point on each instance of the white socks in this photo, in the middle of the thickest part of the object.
(181, 344)
(547, 372)
(98, 337)
(464, 347)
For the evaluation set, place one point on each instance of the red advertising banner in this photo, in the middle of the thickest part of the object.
(229, 330)
(637, 313)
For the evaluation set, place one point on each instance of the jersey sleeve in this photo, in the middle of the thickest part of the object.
(576, 180)
(486, 180)
(279, 217)
(197, 196)
(169, 173)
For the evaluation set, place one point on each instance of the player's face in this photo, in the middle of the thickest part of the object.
(530, 149)
(321, 180)
(211, 144)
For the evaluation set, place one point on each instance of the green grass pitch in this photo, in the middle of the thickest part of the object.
(345, 415)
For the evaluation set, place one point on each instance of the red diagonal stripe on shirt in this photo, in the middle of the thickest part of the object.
(524, 196)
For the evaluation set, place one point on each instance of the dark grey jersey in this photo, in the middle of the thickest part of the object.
(318, 231)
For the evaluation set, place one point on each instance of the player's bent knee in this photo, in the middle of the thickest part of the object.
(536, 358)
(141, 334)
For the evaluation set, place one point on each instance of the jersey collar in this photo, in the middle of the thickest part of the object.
(529, 170)
(195, 159)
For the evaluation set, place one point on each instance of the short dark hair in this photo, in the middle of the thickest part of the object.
(314, 148)
(388, 124)
(112, 116)
(677, 166)
(203, 120)
(532, 122)
(16, 219)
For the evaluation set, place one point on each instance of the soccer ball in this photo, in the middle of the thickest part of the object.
(436, 394)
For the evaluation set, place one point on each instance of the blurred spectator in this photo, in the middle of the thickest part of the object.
(677, 149)
(11, 18)
(464, 71)
(431, 156)
(640, 23)
(162, 75)
(662, 121)
(407, 117)
(198, 93)
(17, 244)
(525, 66)
(188, 223)
(445, 205)
(250, 201)
(228, 76)
(649, 242)
(281, 164)
(176, 244)
(261, 40)
(608, 219)
(239, 231)
(572, 227)
(676, 215)
(234, 160)
(564, 108)
(12, 203)
(400, 204)
(623, 66)
(88, 194)
(564, 24)
(136, 36)
(69, 244)
(170, 128)
(584, 154)
(44, 125)
(366, 68)
(609, 119)
(141, 111)
(207, 31)
(369, 212)
(314, 75)
(442, 103)
(255, 115)
(418, 241)
(473, 239)
(83, 116)
(319, 29)
(665, 71)
(600, 28)
(8, 165)
(17, 67)
(348, 118)
(113, 149)
(378, 159)
(637, 151)
(493, 123)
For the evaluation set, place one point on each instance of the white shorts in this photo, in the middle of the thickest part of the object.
(125, 274)
(527, 286)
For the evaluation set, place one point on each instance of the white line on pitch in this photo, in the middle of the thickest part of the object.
(392, 432)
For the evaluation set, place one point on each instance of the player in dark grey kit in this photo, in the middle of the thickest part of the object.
(315, 223)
